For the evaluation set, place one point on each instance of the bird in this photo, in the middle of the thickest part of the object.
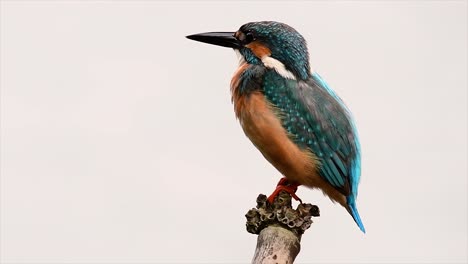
(290, 114)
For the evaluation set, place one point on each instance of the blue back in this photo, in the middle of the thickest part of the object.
(317, 119)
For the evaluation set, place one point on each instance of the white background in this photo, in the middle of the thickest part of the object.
(119, 142)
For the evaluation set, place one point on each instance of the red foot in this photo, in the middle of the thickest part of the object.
(285, 185)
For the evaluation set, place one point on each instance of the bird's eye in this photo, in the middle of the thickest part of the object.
(244, 37)
(249, 37)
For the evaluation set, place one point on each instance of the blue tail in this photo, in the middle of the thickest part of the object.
(354, 213)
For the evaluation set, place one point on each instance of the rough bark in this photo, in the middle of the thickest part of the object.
(279, 228)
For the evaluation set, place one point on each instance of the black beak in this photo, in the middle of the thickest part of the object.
(225, 39)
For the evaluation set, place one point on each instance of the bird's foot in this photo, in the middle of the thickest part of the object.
(284, 185)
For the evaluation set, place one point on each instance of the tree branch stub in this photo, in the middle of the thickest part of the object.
(279, 227)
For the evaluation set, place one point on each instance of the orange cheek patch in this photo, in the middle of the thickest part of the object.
(259, 49)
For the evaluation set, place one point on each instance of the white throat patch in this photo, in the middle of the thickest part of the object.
(278, 66)
(271, 63)
(240, 57)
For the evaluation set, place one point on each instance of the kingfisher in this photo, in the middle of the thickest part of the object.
(291, 115)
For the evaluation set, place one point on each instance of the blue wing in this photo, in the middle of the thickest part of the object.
(316, 118)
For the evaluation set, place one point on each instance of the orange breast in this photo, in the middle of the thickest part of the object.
(264, 129)
(235, 93)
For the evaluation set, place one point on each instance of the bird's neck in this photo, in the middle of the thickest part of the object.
(246, 80)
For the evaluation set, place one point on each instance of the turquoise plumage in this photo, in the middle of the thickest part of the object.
(274, 82)
(317, 119)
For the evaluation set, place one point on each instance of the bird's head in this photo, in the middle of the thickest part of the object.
(271, 43)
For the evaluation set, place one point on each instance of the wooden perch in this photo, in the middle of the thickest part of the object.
(279, 228)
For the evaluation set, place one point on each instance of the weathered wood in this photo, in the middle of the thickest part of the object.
(279, 227)
(276, 245)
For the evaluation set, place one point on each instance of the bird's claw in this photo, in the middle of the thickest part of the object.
(284, 185)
